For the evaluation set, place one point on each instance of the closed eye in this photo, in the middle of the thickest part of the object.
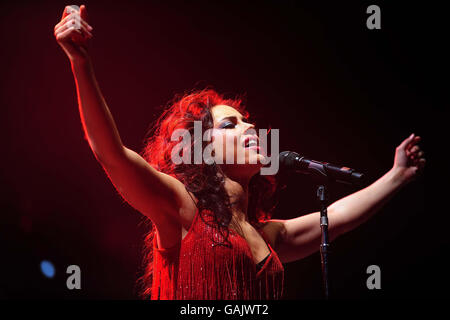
(227, 125)
(231, 122)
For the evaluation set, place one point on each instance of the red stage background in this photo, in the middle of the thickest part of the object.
(336, 90)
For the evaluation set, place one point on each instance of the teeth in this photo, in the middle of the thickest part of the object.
(252, 143)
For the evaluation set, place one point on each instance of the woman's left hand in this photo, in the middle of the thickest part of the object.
(409, 161)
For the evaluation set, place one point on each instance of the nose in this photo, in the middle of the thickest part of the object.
(249, 126)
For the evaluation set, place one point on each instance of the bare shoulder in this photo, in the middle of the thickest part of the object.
(273, 230)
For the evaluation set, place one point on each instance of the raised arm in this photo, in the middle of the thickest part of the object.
(159, 196)
(300, 237)
(98, 124)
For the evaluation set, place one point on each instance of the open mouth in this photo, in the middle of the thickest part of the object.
(251, 142)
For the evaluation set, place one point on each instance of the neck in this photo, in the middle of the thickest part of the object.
(238, 193)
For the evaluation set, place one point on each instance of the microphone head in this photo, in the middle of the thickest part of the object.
(287, 159)
(292, 162)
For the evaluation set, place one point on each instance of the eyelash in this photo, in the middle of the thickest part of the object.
(227, 125)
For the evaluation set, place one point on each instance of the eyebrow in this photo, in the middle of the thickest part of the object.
(233, 118)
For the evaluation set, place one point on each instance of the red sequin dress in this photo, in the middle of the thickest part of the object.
(200, 269)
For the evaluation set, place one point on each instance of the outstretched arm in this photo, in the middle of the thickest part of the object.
(300, 237)
(72, 34)
(159, 196)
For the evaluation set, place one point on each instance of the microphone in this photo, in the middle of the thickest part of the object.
(292, 161)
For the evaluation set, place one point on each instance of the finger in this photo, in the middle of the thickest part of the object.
(414, 149)
(415, 140)
(65, 13)
(419, 166)
(405, 142)
(68, 10)
(70, 33)
(410, 145)
(64, 20)
(85, 33)
(417, 160)
(69, 24)
(65, 34)
(417, 155)
(75, 18)
(83, 13)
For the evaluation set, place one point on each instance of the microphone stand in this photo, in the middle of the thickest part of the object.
(325, 173)
(324, 245)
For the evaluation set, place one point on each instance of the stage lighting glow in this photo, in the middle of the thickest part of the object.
(47, 269)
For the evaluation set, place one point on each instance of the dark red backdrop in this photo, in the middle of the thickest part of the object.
(336, 90)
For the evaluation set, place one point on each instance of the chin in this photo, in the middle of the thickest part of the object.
(256, 163)
(257, 160)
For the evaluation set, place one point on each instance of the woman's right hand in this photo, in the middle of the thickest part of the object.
(73, 32)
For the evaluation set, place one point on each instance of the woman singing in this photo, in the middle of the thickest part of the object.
(212, 235)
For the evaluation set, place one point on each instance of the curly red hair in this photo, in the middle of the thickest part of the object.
(205, 181)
